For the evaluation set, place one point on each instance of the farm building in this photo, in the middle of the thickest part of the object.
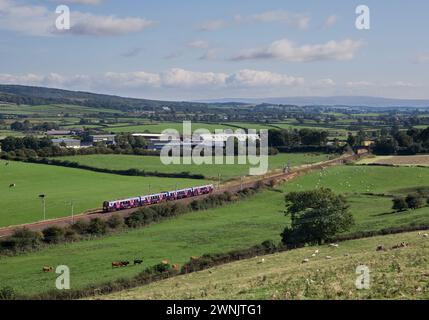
(108, 139)
(67, 143)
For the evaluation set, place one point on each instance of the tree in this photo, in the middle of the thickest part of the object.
(399, 204)
(414, 201)
(316, 216)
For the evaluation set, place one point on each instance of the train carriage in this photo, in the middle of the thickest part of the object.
(117, 205)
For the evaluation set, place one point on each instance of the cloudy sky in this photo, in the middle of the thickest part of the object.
(194, 49)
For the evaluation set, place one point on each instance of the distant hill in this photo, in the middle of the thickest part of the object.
(359, 101)
(39, 95)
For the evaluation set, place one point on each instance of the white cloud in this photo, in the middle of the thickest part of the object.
(298, 20)
(331, 21)
(324, 83)
(177, 77)
(287, 50)
(253, 78)
(213, 25)
(93, 25)
(132, 79)
(39, 21)
(421, 58)
(198, 44)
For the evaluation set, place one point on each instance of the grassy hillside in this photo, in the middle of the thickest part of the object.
(87, 189)
(394, 274)
(235, 226)
(121, 162)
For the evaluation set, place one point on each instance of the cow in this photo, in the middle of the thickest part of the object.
(116, 264)
(124, 263)
(12, 185)
(138, 262)
(48, 269)
(165, 262)
(175, 267)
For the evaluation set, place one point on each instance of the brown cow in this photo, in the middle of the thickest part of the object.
(48, 269)
(116, 264)
(176, 267)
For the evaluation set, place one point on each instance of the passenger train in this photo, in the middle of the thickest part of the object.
(117, 205)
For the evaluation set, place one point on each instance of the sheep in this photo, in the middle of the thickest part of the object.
(313, 255)
(381, 247)
(334, 245)
(425, 235)
(316, 252)
(305, 260)
(328, 257)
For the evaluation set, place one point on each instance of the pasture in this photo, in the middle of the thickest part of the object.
(418, 160)
(394, 274)
(226, 172)
(159, 127)
(234, 226)
(21, 204)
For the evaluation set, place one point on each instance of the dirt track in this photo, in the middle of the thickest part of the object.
(233, 186)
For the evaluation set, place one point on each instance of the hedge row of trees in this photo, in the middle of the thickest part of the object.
(295, 138)
(24, 240)
(412, 141)
(411, 201)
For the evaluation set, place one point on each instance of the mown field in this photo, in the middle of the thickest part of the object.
(394, 274)
(153, 163)
(418, 160)
(235, 226)
(86, 189)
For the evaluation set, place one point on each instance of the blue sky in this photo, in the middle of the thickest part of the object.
(188, 50)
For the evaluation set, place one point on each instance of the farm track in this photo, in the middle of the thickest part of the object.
(233, 186)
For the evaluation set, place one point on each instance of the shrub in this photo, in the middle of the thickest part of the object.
(97, 227)
(414, 201)
(7, 293)
(400, 204)
(23, 239)
(53, 235)
(81, 227)
(115, 222)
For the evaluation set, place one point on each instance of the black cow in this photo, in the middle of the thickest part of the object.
(138, 262)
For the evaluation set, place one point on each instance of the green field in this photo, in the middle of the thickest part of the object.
(396, 274)
(61, 185)
(153, 163)
(235, 226)
(159, 127)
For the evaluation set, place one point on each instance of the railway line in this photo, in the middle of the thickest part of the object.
(233, 186)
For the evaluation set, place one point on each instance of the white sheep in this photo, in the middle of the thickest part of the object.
(328, 257)
(305, 260)
(334, 245)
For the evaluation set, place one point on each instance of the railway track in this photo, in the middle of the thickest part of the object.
(234, 186)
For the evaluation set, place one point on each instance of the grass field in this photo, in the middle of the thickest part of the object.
(394, 274)
(236, 226)
(87, 189)
(153, 163)
(419, 160)
(159, 127)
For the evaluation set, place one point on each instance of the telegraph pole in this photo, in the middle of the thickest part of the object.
(43, 197)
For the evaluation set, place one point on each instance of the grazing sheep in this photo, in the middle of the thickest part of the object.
(381, 248)
(425, 235)
(305, 260)
(328, 257)
(316, 252)
(313, 255)
(334, 245)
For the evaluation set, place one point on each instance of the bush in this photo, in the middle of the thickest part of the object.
(97, 227)
(80, 227)
(414, 201)
(23, 239)
(53, 235)
(7, 293)
(400, 204)
(115, 222)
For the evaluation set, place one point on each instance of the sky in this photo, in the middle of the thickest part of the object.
(200, 50)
